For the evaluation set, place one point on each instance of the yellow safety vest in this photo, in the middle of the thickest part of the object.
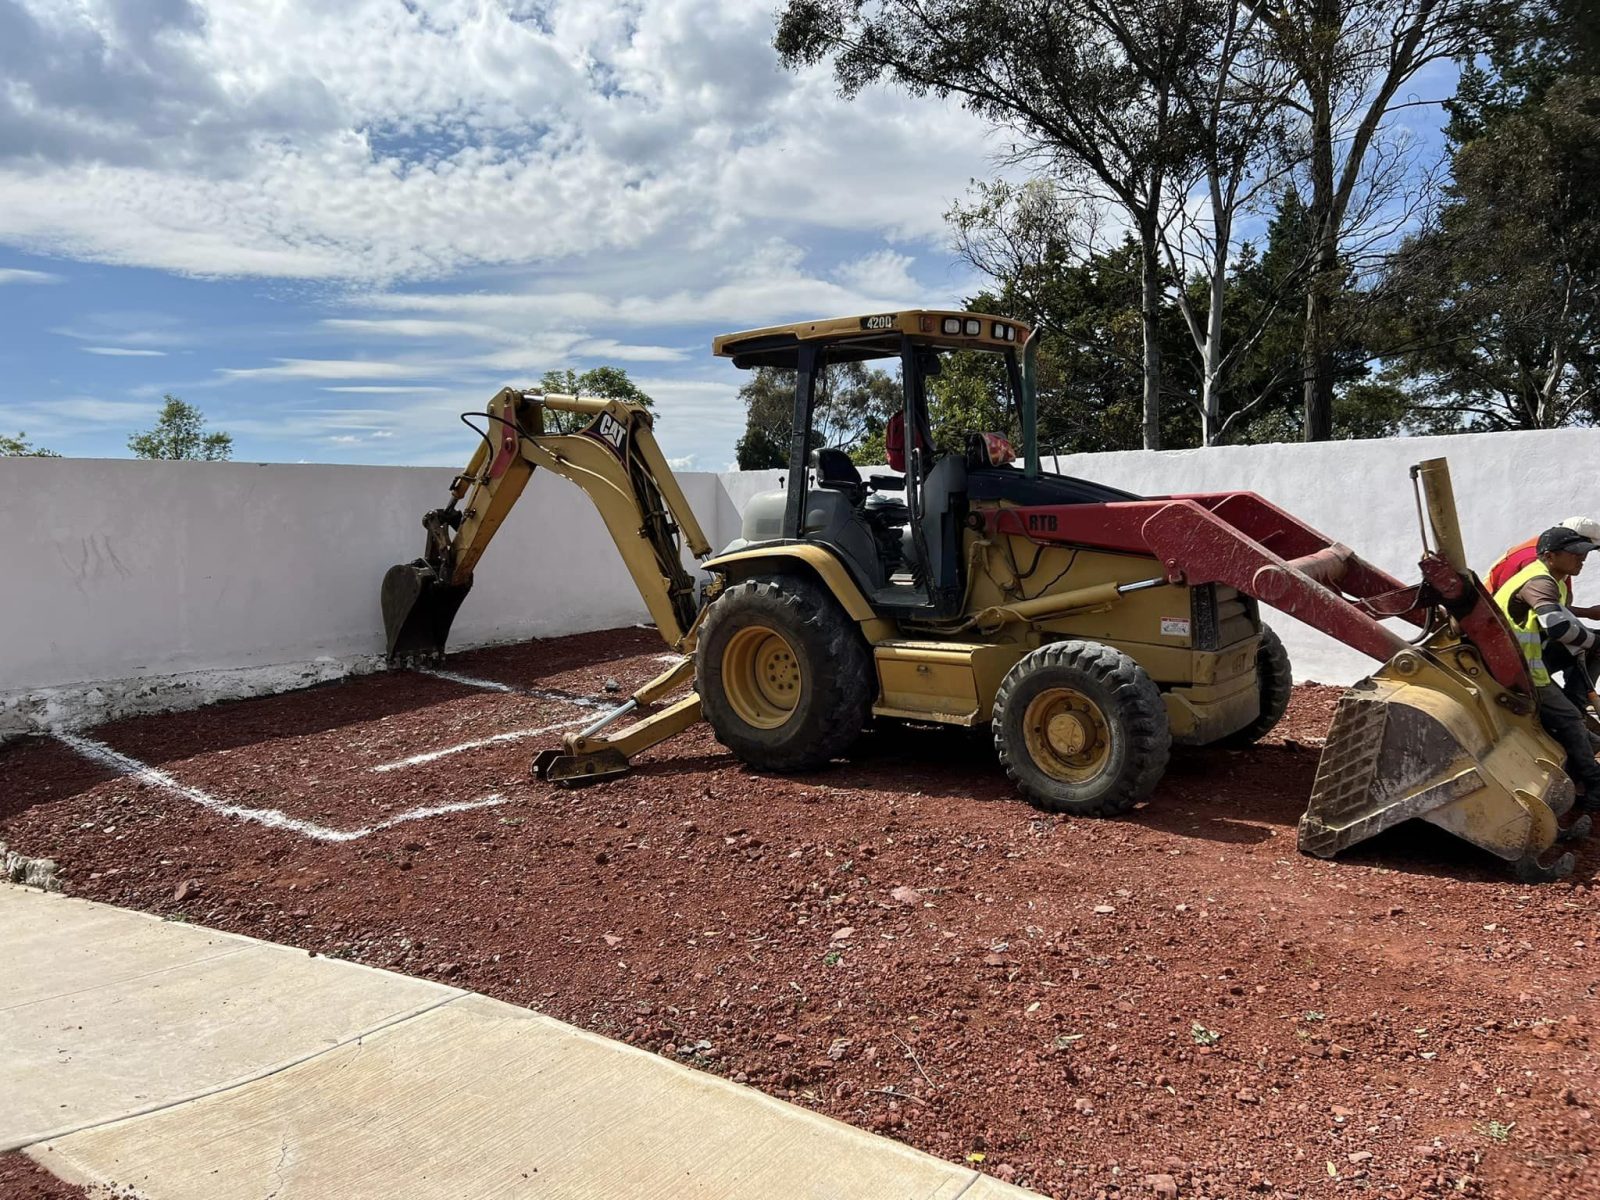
(1529, 636)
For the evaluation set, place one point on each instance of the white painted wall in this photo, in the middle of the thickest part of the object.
(128, 570)
(123, 569)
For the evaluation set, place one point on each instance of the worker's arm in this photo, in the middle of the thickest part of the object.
(1591, 613)
(1559, 623)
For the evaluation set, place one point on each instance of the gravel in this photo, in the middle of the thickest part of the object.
(899, 941)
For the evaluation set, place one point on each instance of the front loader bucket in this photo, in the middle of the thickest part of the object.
(1422, 739)
(417, 612)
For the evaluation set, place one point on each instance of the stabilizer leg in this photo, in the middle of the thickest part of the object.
(586, 757)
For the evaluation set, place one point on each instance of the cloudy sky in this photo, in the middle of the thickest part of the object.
(334, 226)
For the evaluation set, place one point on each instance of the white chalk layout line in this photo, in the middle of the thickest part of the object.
(271, 817)
(515, 735)
(536, 693)
(487, 684)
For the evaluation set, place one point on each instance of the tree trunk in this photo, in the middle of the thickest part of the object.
(1210, 391)
(1211, 353)
(1316, 353)
(1150, 315)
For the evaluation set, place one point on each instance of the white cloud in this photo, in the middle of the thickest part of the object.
(417, 328)
(313, 423)
(518, 348)
(383, 390)
(123, 352)
(326, 368)
(478, 191)
(885, 273)
(769, 283)
(18, 275)
(614, 351)
(139, 327)
(370, 140)
(72, 414)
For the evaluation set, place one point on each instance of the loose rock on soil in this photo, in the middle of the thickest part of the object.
(1176, 1003)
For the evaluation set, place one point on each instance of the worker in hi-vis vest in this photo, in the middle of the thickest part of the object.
(1578, 675)
(1534, 600)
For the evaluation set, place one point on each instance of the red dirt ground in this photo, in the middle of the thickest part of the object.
(1174, 1000)
(23, 1179)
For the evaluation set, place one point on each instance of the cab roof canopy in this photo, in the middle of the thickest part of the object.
(853, 339)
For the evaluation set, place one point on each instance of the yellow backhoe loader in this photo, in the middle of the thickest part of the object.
(1090, 628)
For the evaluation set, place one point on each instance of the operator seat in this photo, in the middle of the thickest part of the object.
(836, 472)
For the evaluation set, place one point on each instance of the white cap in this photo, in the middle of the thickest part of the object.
(1587, 526)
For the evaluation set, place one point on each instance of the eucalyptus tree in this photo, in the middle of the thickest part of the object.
(1090, 89)
(1247, 154)
(1026, 235)
(1352, 60)
(1502, 288)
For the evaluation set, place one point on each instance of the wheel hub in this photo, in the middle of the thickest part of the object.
(777, 673)
(1067, 735)
(761, 676)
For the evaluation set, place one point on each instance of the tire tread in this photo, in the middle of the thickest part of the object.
(1144, 717)
(847, 689)
(1276, 681)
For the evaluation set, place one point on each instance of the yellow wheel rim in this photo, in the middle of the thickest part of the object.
(1067, 734)
(761, 677)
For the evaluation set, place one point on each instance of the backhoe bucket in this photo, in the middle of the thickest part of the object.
(1431, 736)
(417, 612)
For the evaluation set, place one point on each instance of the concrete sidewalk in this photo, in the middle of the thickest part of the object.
(183, 1062)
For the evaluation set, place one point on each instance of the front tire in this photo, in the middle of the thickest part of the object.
(785, 678)
(1081, 729)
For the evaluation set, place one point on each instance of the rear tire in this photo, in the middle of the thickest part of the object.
(1081, 729)
(785, 678)
(1275, 680)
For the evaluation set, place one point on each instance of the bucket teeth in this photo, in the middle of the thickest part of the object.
(417, 612)
(1345, 772)
(1578, 831)
(1529, 871)
(1411, 745)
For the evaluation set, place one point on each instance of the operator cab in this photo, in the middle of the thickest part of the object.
(899, 533)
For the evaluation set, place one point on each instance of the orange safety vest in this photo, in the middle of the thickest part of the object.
(1512, 561)
(1509, 563)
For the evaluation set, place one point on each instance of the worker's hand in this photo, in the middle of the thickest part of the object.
(1592, 613)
